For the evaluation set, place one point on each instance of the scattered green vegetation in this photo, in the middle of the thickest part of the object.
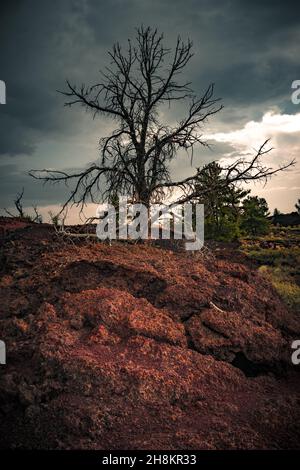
(278, 257)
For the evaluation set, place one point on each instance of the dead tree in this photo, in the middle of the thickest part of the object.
(18, 205)
(20, 211)
(135, 159)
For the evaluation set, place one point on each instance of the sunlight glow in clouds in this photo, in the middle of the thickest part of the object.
(283, 130)
(254, 133)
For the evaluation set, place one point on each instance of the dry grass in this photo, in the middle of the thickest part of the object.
(280, 262)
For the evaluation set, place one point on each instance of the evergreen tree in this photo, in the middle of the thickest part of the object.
(221, 203)
(254, 219)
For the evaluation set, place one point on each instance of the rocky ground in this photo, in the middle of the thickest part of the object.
(139, 347)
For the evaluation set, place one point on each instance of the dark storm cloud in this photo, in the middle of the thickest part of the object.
(39, 46)
(12, 180)
(42, 43)
(248, 48)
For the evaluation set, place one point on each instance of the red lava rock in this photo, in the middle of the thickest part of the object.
(122, 313)
(225, 333)
(137, 347)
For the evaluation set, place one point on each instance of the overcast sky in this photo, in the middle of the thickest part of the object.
(249, 49)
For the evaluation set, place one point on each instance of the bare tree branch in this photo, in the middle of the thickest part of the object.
(18, 205)
(135, 158)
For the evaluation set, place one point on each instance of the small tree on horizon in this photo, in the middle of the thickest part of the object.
(276, 212)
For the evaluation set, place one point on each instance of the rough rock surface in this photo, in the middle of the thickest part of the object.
(135, 347)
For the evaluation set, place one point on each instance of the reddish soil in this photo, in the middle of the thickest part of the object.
(139, 347)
